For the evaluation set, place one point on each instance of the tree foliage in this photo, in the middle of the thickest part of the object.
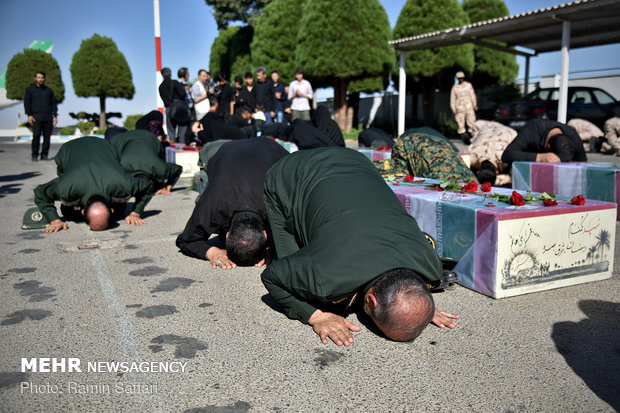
(339, 42)
(492, 66)
(433, 68)
(219, 60)
(22, 67)
(348, 42)
(99, 69)
(230, 51)
(227, 11)
(275, 37)
(424, 16)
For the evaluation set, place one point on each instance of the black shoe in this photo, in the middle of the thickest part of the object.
(448, 279)
(35, 158)
(44, 158)
(466, 138)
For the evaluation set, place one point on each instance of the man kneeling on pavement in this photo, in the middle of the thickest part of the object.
(90, 179)
(343, 238)
(232, 205)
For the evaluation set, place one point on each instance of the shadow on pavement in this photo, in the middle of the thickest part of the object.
(150, 213)
(20, 177)
(591, 348)
(271, 303)
(9, 189)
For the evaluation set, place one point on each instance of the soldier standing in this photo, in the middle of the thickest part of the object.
(463, 104)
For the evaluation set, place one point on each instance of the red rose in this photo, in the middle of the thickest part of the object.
(470, 187)
(517, 199)
(383, 148)
(486, 187)
(438, 188)
(578, 200)
(549, 202)
(408, 178)
(490, 204)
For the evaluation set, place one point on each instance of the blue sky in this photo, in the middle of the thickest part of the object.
(187, 29)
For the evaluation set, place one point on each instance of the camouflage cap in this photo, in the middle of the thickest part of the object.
(34, 219)
(460, 74)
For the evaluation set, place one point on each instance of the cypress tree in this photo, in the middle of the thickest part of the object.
(230, 51)
(492, 66)
(433, 68)
(275, 38)
(99, 69)
(22, 67)
(340, 41)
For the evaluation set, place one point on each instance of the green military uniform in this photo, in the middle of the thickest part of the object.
(337, 227)
(425, 156)
(141, 152)
(86, 167)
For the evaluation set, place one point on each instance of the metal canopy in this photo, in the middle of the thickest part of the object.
(593, 23)
(578, 24)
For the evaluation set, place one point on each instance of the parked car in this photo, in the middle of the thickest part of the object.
(589, 103)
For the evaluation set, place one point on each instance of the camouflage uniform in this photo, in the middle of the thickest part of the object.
(427, 156)
(586, 130)
(462, 103)
(488, 144)
(612, 134)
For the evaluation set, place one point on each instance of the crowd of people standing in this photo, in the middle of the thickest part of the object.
(249, 101)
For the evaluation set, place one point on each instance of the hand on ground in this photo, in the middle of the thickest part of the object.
(443, 319)
(267, 260)
(219, 258)
(134, 219)
(337, 328)
(164, 191)
(55, 226)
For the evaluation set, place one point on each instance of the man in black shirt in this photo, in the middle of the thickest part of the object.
(265, 94)
(247, 94)
(40, 106)
(545, 140)
(232, 205)
(169, 91)
(225, 97)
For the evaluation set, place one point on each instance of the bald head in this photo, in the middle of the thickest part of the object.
(97, 214)
(400, 304)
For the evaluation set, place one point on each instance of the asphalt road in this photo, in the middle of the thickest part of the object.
(135, 298)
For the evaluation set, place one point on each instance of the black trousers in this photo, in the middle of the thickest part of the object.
(41, 126)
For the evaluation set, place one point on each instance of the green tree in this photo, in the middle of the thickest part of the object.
(491, 66)
(22, 67)
(433, 68)
(219, 60)
(275, 37)
(240, 55)
(99, 69)
(230, 51)
(343, 41)
(227, 11)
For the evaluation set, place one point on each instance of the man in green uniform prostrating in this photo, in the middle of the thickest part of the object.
(90, 176)
(141, 154)
(342, 235)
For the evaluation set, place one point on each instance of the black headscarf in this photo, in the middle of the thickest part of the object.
(307, 136)
(323, 120)
(152, 122)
